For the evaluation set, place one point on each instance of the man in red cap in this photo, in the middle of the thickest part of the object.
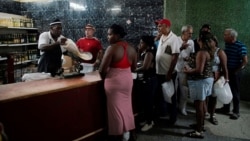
(166, 58)
(91, 44)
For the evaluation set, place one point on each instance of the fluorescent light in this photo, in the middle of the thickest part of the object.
(77, 6)
(116, 9)
(32, 0)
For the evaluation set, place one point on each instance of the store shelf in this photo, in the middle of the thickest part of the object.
(3, 58)
(23, 28)
(23, 62)
(20, 44)
(24, 44)
(15, 45)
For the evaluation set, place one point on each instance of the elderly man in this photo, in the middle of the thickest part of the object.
(187, 47)
(50, 49)
(91, 44)
(237, 59)
(166, 58)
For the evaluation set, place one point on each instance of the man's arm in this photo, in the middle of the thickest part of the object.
(172, 66)
(243, 64)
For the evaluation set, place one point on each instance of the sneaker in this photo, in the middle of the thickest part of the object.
(147, 126)
(234, 116)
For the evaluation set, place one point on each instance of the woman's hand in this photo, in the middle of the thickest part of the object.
(187, 68)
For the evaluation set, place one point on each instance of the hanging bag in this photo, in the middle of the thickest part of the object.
(168, 90)
(222, 91)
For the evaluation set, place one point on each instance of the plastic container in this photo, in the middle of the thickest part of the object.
(87, 67)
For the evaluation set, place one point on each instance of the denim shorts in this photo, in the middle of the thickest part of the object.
(200, 89)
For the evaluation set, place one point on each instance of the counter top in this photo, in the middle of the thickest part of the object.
(22, 90)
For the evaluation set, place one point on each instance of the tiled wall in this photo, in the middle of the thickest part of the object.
(136, 16)
(9, 6)
(220, 14)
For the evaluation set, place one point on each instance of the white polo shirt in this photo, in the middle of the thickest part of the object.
(165, 49)
(183, 54)
(45, 38)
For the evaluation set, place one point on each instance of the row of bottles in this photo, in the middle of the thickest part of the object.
(16, 22)
(18, 38)
(23, 56)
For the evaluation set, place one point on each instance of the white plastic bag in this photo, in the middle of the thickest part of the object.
(220, 82)
(168, 90)
(134, 75)
(222, 91)
(71, 47)
(35, 76)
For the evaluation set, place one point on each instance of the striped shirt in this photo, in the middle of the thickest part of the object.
(235, 52)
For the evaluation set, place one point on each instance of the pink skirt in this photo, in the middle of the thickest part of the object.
(118, 87)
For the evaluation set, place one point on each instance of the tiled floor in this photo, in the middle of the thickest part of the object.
(226, 130)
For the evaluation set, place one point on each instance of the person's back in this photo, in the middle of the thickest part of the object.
(121, 50)
(115, 69)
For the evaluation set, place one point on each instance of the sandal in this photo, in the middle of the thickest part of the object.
(195, 134)
(193, 126)
(213, 120)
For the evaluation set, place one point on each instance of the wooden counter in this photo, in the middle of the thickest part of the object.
(54, 109)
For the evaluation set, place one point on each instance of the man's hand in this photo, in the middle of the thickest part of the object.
(63, 41)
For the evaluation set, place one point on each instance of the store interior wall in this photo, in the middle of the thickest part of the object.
(220, 15)
(137, 17)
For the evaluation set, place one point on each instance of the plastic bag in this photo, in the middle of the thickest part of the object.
(222, 91)
(35, 76)
(71, 47)
(220, 82)
(168, 90)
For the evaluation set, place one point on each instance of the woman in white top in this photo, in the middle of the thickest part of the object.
(219, 68)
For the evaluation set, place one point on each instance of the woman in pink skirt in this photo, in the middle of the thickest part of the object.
(119, 60)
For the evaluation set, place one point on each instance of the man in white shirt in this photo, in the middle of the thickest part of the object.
(187, 47)
(166, 58)
(50, 49)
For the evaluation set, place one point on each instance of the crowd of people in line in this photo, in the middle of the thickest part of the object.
(193, 66)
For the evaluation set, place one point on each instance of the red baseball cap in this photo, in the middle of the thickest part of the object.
(163, 21)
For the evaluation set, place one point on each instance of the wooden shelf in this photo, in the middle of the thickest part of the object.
(24, 62)
(24, 44)
(23, 28)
